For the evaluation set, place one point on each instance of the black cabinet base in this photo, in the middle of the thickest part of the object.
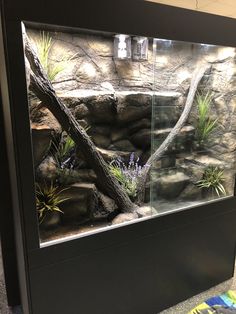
(141, 276)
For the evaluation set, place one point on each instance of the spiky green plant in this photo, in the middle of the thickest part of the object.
(61, 150)
(48, 199)
(44, 45)
(205, 125)
(212, 180)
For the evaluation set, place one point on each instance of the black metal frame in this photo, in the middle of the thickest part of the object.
(137, 248)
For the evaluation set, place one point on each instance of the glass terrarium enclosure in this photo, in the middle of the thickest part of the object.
(119, 153)
(125, 128)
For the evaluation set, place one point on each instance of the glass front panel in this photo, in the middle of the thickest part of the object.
(192, 124)
(126, 127)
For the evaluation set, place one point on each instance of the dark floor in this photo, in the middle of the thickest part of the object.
(4, 309)
(186, 306)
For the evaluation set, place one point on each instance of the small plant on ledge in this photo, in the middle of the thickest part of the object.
(212, 181)
(48, 201)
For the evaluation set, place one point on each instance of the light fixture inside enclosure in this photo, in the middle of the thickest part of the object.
(122, 46)
(206, 46)
(162, 43)
(140, 48)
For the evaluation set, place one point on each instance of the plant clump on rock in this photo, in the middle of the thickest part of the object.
(48, 202)
(127, 175)
(212, 181)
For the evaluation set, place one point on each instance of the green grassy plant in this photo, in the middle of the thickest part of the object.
(129, 185)
(48, 199)
(44, 46)
(205, 126)
(62, 149)
(212, 181)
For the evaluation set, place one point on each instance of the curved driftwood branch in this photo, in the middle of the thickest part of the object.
(43, 89)
(196, 78)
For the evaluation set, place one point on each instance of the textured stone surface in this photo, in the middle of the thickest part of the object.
(171, 185)
(107, 203)
(96, 107)
(168, 161)
(191, 192)
(110, 155)
(47, 170)
(104, 129)
(145, 211)
(101, 108)
(166, 99)
(125, 217)
(205, 160)
(138, 125)
(142, 138)
(133, 106)
(81, 111)
(118, 133)
(80, 204)
(124, 145)
(195, 165)
(51, 220)
(41, 140)
(166, 116)
(41, 116)
(101, 140)
(70, 176)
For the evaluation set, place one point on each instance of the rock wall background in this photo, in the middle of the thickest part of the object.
(127, 107)
(90, 62)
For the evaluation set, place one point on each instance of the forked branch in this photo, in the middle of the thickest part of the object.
(196, 79)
